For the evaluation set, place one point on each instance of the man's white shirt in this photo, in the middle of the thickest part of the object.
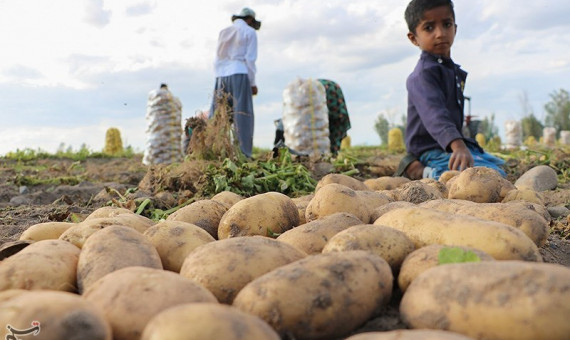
(237, 51)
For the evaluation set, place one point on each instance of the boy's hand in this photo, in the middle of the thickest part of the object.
(461, 157)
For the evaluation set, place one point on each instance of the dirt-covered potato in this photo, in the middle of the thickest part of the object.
(345, 180)
(51, 315)
(334, 198)
(131, 297)
(519, 216)
(224, 267)
(266, 214)
(207, 321)
(174, 240)
(389, 206)
(410, 334)
(45, 231)
(312, 236)
(437, 185)
(527, 195)
(390, 244)
(492, 300)
(429, 226)
(481, 185)
(107, 211)
(322, 296)
(113, 248)
(206, 214)
(227, 197)
(385, 183)
(45, 264)
(425, 258)
(417, 192)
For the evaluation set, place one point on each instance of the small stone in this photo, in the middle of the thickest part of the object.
(559, 211)
(24, 190)
(539, 178)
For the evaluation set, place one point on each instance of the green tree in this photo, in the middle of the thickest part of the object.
(531, 127)
(558, 111)
(488, 128)
(382, 126)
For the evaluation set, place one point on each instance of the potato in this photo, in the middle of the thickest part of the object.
(109, 211)
(385, 183)
(265, 214)
(311, 237)
(334, 198)
(447, 175)
(376, 213)
(59, 315)
(492, 300)
(437, 185)
(410, 334)
(425, 258)
(174, 240)
(45, 231)
(45, 264)
(481, 185)
(528, 221)
(345, 180)
(417, 192)
(224, 267)
(227, 197)
(80, 232)
(528, 195)
(131, 297)
(390, 244)
(322, 296)
(373, 199)
(207, 321)
(206, 214)
(301, 203)
(428, 226)
(113, 248)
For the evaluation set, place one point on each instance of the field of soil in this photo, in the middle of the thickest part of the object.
(45, 190)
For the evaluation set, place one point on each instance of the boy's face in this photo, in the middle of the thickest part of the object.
(435, 32)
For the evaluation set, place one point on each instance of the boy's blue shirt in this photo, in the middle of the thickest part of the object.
(435, 104)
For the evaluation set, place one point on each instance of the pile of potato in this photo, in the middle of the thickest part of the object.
(312, 267)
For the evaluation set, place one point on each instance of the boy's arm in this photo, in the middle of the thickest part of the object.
(461, 157)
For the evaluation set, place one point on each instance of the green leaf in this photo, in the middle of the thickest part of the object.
(456, 255)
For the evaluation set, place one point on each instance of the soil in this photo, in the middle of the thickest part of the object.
(80, 187)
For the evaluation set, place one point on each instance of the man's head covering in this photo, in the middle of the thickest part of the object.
(247, 12)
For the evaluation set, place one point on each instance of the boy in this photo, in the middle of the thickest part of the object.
(435, 98)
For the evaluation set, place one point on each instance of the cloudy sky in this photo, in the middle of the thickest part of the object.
(70, 69)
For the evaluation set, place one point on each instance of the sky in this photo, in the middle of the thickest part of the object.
(71, 69)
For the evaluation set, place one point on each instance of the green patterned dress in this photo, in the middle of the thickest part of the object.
(339, 122)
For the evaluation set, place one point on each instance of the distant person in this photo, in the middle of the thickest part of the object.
(339, 122)
(434, 139)
(235, 74)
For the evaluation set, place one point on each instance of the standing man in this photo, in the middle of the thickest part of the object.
(235, 74)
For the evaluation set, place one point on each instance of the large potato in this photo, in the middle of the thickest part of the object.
(322, 296)
(45, 231)
(113, 248)
(334, 198)
(265, 214)
(492, 300)
(385, 183)
(345, 180)
(227, 197)
(518, 216)
(206, 214)
(46, 264)
(481, 185)
(425, 258)
(59, 315)
(224, 267)
(410, 334)
(417, 192)
(131, 297)
(174, 240)
(198, 321)
(311, 237)
(429, 226)
(390, 244)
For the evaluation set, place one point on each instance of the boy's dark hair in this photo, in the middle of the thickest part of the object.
(416, 8)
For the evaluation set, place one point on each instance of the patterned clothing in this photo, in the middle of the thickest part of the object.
(339, 122)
